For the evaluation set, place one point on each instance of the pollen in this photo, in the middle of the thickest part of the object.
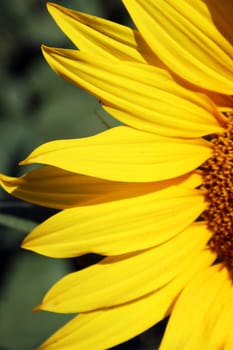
(218, 181)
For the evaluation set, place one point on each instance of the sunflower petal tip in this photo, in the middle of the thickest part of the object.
(1, 179)
(44, 48)
(21, 162)
(55, 9)
(37, 308)
(28, 160)
(51, 5)
(26, 244)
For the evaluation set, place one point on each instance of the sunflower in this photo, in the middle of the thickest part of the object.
(154, 195)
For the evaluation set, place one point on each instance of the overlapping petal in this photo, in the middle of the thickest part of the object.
(124, 278)
(221, 334)
(185, 38)
(112, 41)
(118, 227)
(92, 330)
(133, 193)
(221, 15)
(53, 187)
(139, 95)
(197, 310)
(124, 154)
(103, 38)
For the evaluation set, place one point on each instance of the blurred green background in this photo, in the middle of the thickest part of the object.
(37, 106)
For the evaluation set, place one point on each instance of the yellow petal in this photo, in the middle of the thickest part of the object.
(184, 37)
(116, 280)
(221, 332)
(118, 227)
(124, 154)
(224, 102)
(100, 37)
(229, 344)
(105, 328)
(221, 15)
(197, 310)
(139, 95)
(56, 188)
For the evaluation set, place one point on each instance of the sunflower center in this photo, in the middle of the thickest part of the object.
(218, 180)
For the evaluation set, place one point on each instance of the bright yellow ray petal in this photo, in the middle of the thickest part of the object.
(118, 227)
(184, 37)
(124, 154)
(197, 310)
(105, 328)
(202, 336)
(100, 37)
(223, 102)
(221, 15)
(222, 329)
(116, 280)
(229, 343)
(56, 188)
(139, 95)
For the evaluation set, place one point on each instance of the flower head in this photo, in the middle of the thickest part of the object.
(153, 195)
